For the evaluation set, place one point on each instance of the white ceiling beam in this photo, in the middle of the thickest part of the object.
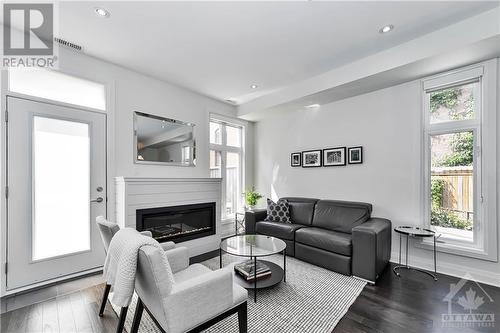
(456, 36)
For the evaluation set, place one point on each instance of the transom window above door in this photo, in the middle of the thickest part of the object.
(58, 87)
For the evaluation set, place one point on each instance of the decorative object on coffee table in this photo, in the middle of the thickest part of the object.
(355, 155)
(246, 270)
(334, 156)
(311, 158)
(295, 160)
(415, 232)
(254, 246)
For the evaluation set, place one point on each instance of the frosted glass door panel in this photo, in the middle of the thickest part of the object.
(61, 187)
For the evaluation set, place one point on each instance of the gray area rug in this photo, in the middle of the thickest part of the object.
(313, 299)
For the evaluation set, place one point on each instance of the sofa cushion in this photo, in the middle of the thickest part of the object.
(327, 240)
(340, 216)
(301, 209)
(277, 229)
(329, 260)
(278, 211)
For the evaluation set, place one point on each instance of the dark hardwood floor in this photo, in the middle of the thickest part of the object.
(412, 303)
(75, 312)
(415, 303)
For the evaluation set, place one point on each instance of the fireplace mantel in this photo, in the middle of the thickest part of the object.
(134, 193)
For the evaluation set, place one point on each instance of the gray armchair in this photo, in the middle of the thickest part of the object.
(188, 300)
(107, 229)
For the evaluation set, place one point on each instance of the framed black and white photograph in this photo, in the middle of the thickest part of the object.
(334, 156)
(355, 155)
(311, 158)
(295, 160)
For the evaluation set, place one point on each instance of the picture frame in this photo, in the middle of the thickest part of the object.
(296, 159)
(312, 158)
(355, 155)
(334, 156)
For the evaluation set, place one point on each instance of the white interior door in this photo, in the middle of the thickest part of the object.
(56, 178)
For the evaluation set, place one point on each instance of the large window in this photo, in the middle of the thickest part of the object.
(454, 158)
(226, 156)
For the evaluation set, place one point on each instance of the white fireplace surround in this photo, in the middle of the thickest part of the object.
(134, 193)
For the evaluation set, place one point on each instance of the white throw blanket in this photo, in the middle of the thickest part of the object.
(121, 263)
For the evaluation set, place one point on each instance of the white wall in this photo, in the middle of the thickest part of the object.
(387, 123)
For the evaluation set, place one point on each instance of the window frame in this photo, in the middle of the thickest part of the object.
(224, 148)
(483, 126)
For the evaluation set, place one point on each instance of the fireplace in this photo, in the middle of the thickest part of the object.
(178, 223)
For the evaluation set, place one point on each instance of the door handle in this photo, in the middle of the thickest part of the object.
(98, 200)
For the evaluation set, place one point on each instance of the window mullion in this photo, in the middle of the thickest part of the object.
(224, 135)
(456, 126)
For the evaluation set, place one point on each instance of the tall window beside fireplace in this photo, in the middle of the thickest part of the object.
(226, 162)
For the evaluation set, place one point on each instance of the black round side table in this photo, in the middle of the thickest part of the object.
(415, 232)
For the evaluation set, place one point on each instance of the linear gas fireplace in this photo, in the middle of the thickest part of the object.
(178, 223)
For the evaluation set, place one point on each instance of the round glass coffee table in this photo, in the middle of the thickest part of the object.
(253, 247)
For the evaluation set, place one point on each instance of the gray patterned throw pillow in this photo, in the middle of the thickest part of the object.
(278, 211)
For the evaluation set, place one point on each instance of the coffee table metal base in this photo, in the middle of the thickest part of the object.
(263, 246)
(278, 274)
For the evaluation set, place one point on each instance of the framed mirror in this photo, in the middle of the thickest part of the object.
(159, 140)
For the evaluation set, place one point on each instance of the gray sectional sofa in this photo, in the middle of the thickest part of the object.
(338, 235)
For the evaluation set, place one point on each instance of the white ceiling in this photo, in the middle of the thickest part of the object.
(220, 48)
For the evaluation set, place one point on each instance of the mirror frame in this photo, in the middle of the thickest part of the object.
(137, 161)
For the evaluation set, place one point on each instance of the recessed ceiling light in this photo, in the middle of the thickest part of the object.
(386, 29)
(313, 106)
(101, 12)
(254, 86)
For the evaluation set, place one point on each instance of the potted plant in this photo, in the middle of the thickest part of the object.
(251, 197)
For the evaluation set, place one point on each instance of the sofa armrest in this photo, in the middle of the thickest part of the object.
(178, 258)
(199, 299)
(371, 248)
(252, 217)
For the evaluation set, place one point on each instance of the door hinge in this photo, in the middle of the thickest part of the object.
(6, 192)
(6, 116)
(6, 267)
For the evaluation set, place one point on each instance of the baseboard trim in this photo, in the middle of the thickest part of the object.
(48, 283)
(447, 268)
